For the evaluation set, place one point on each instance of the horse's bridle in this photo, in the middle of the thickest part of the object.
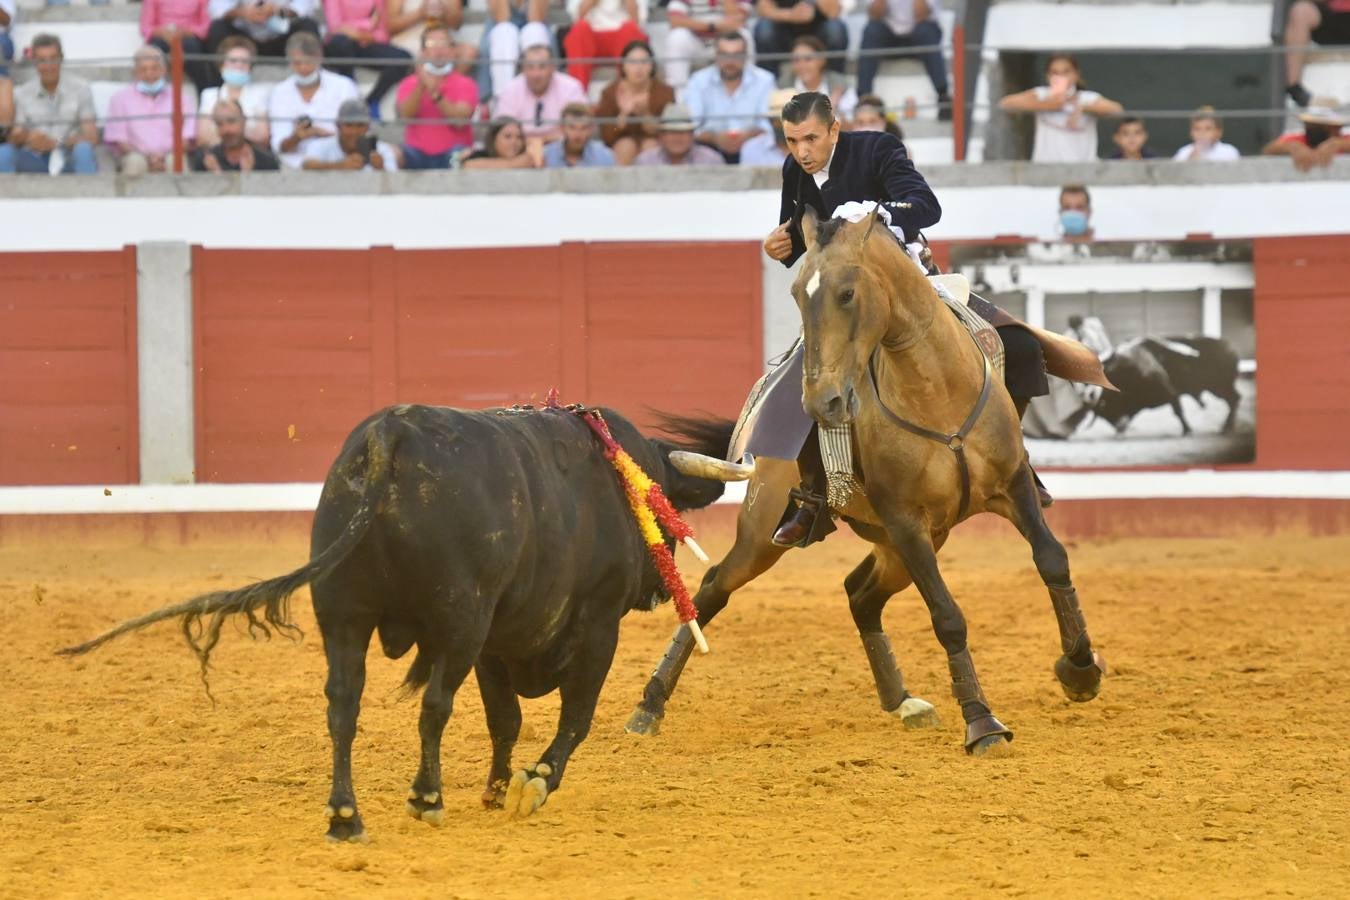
(954, 441)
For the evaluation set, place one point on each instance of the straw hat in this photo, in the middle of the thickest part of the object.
(1323, 111)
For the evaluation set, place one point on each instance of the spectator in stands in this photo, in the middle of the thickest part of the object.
(870, 115)
(808, 73)
(54, 129)
(139, 126)
(676, 145)
(783, 21)
(353, 147)
(1131, 140)
(232, 151)
(634, 100)
(769, 148)
(1311, 21)
(1322, 138)
(578, 147)
(727, 100)
(904, 23)
(694, 24)
(441, 99)
(1066, 114)
(1207, 139)
(304, 107)
(188, 19)
(407, 20)
(600, 30)
(236, 71)
(511, 26)
(8, 10)
(270, 24)
(357, 30)
(538, 94)
(505, 148)
(1075, 213)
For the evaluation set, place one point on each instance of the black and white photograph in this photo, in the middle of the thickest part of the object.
(1172, 323)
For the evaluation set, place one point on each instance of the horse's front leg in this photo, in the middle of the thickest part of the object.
(911, 537)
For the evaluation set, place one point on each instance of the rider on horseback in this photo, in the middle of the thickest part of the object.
(826, 169)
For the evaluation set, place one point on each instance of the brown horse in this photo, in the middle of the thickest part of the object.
(937, 440)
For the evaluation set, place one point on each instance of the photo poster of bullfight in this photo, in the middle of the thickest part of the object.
(1173, 324)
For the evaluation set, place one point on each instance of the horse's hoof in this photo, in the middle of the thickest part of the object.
(986, 735)
(916, 713)
(1080, 683)
(643, 721)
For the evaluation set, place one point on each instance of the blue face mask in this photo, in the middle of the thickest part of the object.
(1073, 221)
(235, 77)
(152, 88)
(279, 24)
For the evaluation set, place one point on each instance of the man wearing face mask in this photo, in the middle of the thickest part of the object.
(268, 23)
(440, 100)
(139, 126)
(1075, 213)
(304, 107)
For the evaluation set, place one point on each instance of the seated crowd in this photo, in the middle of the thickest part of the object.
(713, 99)
(456, 111)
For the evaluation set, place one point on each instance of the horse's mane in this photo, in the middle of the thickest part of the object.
(830, 229)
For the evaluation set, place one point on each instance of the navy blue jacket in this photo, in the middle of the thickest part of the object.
(867, 165)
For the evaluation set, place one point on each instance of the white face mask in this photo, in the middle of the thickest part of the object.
(439, 71)
(307, 80)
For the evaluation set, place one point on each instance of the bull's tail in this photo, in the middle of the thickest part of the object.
(267, 603)
(705, 434)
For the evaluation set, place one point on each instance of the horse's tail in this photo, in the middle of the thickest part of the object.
(267, 603)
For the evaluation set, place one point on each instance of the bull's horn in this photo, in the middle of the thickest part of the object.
(700, 466)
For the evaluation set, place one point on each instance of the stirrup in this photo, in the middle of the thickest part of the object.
(822, 523)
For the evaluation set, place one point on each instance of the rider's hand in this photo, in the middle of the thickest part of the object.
(778, 245)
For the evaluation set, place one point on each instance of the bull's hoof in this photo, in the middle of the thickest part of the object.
(1080, 683)
(344, 826)
(987, 736)
(916, 713)
(528, 791)
(427, 807)
(644, 721)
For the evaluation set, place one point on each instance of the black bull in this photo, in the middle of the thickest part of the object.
(1151, 373)
(499, 541)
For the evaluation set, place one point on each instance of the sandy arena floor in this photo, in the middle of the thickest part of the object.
(1213, 764)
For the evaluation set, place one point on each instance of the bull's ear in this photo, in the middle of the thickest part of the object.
(809, 228)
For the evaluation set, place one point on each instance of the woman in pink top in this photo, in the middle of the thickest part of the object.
(162, 19)
(357, 29)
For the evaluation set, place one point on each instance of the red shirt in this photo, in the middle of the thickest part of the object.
(438, 138)
(1301, 137)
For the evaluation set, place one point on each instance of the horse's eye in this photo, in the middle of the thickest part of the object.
(846, 297)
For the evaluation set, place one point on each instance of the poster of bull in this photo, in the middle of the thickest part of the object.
(1172, 322)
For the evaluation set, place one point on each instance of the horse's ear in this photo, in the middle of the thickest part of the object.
(871, 223)
(809, 228)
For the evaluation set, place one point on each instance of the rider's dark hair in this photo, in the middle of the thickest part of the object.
(807, 104)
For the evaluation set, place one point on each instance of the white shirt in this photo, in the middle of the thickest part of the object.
(900, 15)
(330, 151)
(1066, 135)
(1220, 152)
(824, 174)
(607, 15)
(253, 100)
(286, 105)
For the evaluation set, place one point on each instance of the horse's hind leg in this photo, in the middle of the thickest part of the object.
(911, 538)
(753, 554)
(869, 587)
(1080, 669)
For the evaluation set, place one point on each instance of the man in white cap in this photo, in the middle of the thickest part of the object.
(676, 137)
(769, 148)
(1322, 138)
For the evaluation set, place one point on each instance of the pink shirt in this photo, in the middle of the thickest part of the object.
(149, 136)
(340, 14)
(456, 88)
(517, 101)
(189, 15)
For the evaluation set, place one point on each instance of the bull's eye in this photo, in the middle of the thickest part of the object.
(846, 297)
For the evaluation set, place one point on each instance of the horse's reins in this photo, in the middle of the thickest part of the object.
(954, 441)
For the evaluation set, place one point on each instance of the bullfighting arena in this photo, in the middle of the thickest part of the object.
(1214, 762)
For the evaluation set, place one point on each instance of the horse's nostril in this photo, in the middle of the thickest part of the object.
(835, 405)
